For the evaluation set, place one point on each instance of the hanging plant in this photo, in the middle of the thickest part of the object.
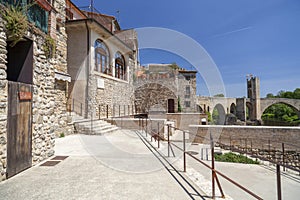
(49, 47)
(16, 23)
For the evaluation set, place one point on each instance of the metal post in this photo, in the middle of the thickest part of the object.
(158, 133)
(119, 110)
(168, 140)
(213, 167)
(81, 109)
(184, 156)
(230, 142)
(107, 111)
(142, 124)
(278, 182)
(91, 122)
(269, 143)
(146, 127)
(124, 110)
(128, 110)
(73, 105)
(283, 156)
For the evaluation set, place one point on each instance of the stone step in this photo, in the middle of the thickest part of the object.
(98, 127)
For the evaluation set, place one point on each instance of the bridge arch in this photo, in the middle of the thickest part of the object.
(199, 109)
(233, 109)
(220, 114)
(154, 97)
(263, 109)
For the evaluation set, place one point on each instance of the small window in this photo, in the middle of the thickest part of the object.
(187, 104)
(102, 58)
(187, 92)
(120, 69)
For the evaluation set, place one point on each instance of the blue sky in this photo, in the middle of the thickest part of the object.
(241, 36)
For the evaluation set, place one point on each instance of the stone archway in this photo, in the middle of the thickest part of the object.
(199, 109)
(154, 97)
(233, 109)
(284, 112)
(219, 114)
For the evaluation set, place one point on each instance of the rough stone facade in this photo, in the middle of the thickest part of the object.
(49, 96)
(111, 96)
(3, 102)
(157, 84)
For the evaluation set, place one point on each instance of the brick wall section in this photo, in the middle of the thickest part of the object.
(3, 102)
(258, 134)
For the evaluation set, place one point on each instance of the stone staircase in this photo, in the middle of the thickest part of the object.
(95, 127)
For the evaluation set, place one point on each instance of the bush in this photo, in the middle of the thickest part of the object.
(231, 157)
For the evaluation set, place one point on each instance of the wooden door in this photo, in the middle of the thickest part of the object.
(171, 106)
(19, 127)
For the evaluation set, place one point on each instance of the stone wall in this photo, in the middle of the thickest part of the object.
(114, 94)
(49, 116)
(50, 94)
(183, 120)
(259, 136)
(3, 102)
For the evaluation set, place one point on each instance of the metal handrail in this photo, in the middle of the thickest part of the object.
(212, 168)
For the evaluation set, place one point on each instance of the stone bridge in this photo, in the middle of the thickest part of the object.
(239, 106)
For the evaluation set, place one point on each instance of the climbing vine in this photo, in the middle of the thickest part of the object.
(16, 23)
(49, 47)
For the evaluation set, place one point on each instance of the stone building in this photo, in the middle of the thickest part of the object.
(101, 59)
(33, 86)
(165, 88)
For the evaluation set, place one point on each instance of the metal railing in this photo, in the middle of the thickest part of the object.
(103, 111)
(147, 124)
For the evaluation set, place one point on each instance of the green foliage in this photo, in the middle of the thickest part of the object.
(281, 112)
(270, 95)
(231, 157)
(215, 116)
(219, 95)
(179, 105)
(49, 47)
(16, 22)
(286, 94)
(174, 66)
(62, 135)
(209, 118)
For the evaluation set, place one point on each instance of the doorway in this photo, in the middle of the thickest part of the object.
(171, 106)
(19, 119)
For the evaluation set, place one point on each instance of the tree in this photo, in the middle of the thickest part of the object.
(179, 105)
(174, 66)
(270, 95)
(280, 112)
(219, 95)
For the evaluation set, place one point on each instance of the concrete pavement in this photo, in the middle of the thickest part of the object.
(115, 166)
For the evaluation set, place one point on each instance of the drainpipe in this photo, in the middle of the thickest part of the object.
(87, 69)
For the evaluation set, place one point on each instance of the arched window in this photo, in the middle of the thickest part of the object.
(120, 69)
(102, 58)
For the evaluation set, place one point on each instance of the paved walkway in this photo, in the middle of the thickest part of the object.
(116, 166)
(124, 166)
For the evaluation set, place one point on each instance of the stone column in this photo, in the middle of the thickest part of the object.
(3, 102)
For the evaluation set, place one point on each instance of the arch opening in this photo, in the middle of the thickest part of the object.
(281, 114)
(233, 109)
(154, 98)
(218, 115)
